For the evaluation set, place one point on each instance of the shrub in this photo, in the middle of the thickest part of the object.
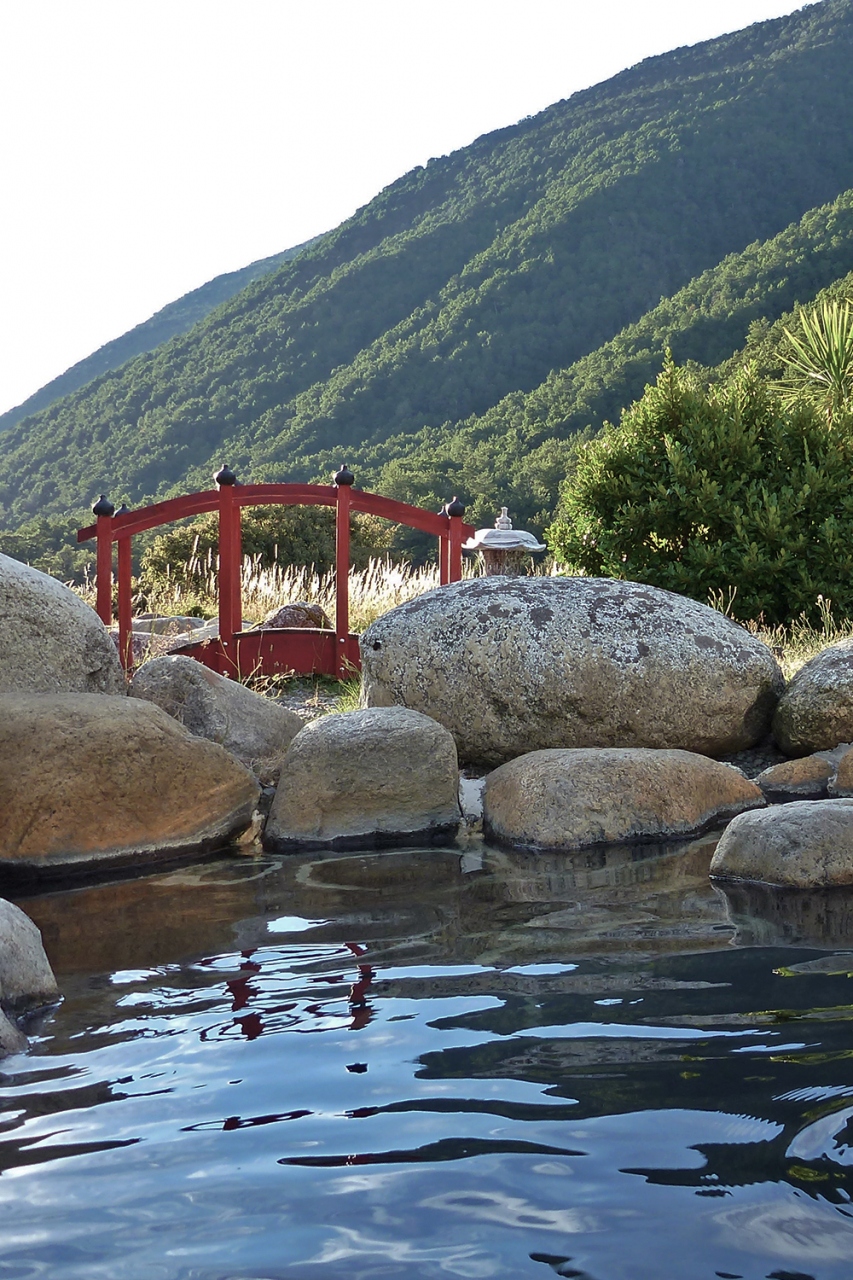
(715, 490)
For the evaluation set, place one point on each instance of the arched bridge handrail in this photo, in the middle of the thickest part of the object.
(227, 499)
(251, 495)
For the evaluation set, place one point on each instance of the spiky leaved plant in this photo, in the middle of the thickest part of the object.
(820, 361)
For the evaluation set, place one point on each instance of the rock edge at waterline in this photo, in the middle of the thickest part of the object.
(805, 844)
(26, 978)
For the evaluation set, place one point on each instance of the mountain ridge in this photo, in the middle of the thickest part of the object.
(470, 281)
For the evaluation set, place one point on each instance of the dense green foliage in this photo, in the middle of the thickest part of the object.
(519, 450)
(50, 543)
(724, 490)
(475, 278)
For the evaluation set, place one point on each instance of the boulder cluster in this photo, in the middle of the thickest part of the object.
(599, 711)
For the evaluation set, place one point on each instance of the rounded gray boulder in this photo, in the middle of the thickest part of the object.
(805, 844)
(816, 710)
(365, 779)
(513, 665)
(50, 640)
(255, 729)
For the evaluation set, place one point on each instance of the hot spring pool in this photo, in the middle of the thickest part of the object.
(435, 1064)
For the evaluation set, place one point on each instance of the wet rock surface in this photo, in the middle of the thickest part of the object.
(816, 710)
(513, 665)
(385, 775)
(255, 729)
(804, 844)
(50, 640)
(87, 779)
(590, 796)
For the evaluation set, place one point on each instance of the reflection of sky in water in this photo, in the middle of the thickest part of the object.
(302, 1108)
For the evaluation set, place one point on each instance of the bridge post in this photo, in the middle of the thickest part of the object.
(229, 569)
(455, 511)
(343, 484)
(125, 606)
(104, 510)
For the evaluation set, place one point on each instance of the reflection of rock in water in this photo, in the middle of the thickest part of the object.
(549, 1059)
(650, 897)
(766, 916)
(418, 904)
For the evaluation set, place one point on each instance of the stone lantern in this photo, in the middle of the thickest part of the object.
(503, 549)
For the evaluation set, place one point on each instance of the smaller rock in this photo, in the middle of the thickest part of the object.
(841, 783)
(255, 729)
(816, 710)
(567, 799)
(12, 1038)
(805, 844)
(26, 977)
(88, 780)
(804, 779)
(298, 614)
(364, 779)
(166, 624)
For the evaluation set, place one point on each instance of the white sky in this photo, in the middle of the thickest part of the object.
(149, 145)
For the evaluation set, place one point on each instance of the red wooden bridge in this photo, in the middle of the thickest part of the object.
(304, 651)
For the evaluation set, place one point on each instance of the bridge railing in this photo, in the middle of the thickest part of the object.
(314, 652)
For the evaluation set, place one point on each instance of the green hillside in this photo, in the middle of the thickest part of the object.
(516, 453)
(419, 341)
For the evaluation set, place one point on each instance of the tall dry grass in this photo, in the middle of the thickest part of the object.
(796, 642)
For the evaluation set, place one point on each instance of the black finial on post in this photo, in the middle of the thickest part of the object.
(225, 476)
(344, 476)
(103, 507)
(123, 509)
(455, 508)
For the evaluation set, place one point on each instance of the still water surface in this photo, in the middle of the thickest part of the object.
(436, 1064)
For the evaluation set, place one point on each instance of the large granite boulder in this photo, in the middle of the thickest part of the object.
(26, 978)
(572, 798)
(816, 710)
(805, 844)
(365, 779)
(255, 729)
(512, 665)
(88, 780)
(50, 640)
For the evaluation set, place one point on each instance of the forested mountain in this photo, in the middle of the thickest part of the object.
(516, 452)
(457, 330)
(177, 317)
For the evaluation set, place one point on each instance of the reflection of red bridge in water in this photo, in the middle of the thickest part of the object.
(304, 651)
